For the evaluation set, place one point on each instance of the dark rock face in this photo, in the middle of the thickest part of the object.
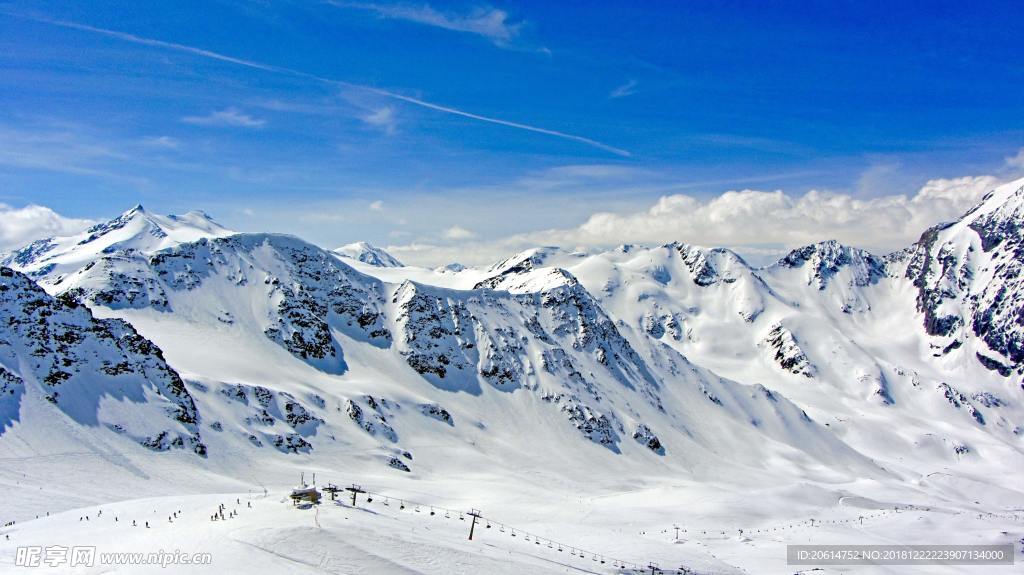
(960, 401)
(826, 259)
(30, 253)
(372, 419)
(788, 354)
(460, 338)
(313, 291)
(396, 463)
(999, 315)
(437, 412)
(78, 359)
(648, 439)
(938, 276)
(944, 270)
(710, 266)
(594, 425)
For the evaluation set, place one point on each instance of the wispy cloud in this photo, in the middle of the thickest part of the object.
(377, 206)
(488, 22)
(458, 233)
(64, 148)
(313, 77)
(229, 117)
(165, 142)
(627, 89)
(382, 118)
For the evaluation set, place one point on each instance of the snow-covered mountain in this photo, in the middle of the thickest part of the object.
(134, 230)
(832, 368)
(96, 372)
(969, 281)
(368, 254)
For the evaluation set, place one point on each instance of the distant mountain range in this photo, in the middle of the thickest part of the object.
(172, 332)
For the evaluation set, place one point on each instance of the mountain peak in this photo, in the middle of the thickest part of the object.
(135, 229)
(368, 254)
(827, 258)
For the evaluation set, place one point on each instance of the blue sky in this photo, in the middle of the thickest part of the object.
(442, 128)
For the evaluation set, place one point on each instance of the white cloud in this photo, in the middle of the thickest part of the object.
(758, 217)
(627, 89)
(458, 233)
(382, 118)
(756, 222)
(21, 226)
(228, 117)
(490, 23)
(377, 206)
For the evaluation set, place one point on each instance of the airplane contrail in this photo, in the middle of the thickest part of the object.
(292, 72)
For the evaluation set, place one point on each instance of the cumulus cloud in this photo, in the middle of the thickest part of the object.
(490, 23)
(21, 226)
(745, 220)
(758, 217)
(228, 117)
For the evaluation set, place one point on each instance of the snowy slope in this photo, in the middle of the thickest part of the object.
(94, 372)
(674, 384)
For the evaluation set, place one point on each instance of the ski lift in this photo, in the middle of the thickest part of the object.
(386, 504)
(488, 524)
(501, 528)
(461, 518)
(369, 499)
(431, 511)
(513, 533)
(527, 537)
(417, 509)
(446, 516)
(402, 506)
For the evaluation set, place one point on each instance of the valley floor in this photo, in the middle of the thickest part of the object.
(396, 533)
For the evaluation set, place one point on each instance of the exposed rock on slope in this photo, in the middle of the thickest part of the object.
(86, 366)
(969, 278)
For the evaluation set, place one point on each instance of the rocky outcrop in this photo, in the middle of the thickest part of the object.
(76, 360)
(786, 351)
